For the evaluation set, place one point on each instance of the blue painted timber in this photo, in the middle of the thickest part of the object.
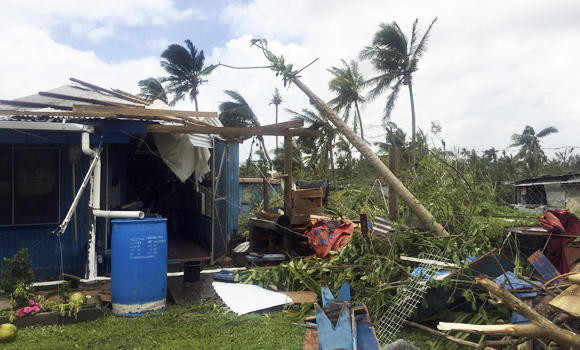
(138, 265)
(44, 248)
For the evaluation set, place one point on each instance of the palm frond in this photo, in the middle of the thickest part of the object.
(547, 131)
(421, 47)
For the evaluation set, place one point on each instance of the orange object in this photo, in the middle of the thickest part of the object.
(325, 236)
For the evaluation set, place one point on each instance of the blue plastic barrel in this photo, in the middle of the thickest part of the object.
(138, 265)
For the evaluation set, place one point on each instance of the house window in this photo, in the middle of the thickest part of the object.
(29, 186)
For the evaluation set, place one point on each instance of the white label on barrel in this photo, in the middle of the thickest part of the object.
(145, 247)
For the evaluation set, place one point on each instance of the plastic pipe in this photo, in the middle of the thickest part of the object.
(118, 214)
(94, 203)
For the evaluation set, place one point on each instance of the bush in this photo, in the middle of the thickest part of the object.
(18, 271)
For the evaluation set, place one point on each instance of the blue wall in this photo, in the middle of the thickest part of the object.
(42, 246)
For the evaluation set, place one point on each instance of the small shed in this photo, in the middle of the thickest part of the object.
(548, 192)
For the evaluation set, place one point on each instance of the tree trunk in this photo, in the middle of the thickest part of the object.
(266, 153)
(276, 123)
(195, 101)
(413, 127)
(416, 207)
(543, 328)
(331, 152)
(362, 135)
(393, 208)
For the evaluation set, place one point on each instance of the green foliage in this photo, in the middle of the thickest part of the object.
(17, 272)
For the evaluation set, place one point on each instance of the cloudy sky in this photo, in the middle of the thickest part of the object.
(491, 67)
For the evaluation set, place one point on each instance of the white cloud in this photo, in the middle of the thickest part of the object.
(95, 19)
(38, 63)
(157, 43)
(490, 69)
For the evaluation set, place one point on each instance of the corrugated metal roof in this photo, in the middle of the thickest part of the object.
(549, 179)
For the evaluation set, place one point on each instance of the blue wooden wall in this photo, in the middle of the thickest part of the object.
(44, 248)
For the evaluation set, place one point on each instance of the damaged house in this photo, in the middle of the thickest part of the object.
(173, 164)
(548, 192)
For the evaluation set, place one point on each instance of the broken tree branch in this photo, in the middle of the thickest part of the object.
(447, 336)
(540, 327)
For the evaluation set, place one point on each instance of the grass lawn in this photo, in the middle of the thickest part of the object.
(199, 326)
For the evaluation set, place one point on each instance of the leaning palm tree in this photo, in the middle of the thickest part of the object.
(396, 58)
(531, 152)
(152, 89)
(239, 113)
(186, 71)
(276, 101)
(347, 83)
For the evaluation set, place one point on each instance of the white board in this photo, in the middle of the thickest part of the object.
(245, 298)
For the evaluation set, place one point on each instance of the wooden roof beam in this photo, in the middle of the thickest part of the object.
(81, 99)
(133, 99)
(33, 104)
(231, 131)
(140, 112)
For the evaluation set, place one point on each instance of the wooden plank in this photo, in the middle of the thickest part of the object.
(294, 123)
(302, 297)
(228, 130)
(569, 300)
(131, 98)
(142, 111)
(543, 265)
(288, 179)
(81, 99)
(67, 114)
(34, 104)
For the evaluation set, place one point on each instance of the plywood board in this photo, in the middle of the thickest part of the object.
(569, 300)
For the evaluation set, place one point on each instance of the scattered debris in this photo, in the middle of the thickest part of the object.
(245, 298)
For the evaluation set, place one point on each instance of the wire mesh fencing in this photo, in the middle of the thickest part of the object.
(409, 296)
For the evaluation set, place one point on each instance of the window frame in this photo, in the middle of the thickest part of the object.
(13, 185)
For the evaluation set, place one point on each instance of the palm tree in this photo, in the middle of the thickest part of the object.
(239, 113)
(531, 152)
(151, 90)
(186, 71)
(276, 101)
(321, 148)
(396, 59)
(347, 83)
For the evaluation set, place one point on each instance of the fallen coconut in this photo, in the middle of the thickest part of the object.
(77, 298)
(8, 332)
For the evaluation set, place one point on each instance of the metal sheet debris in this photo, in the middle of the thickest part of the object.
(246, 298)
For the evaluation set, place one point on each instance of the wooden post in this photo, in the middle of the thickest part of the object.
(266, 190)
(288, 178)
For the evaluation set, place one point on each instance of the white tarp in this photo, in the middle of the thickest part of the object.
(245, 298)
(181, 156)
(184, 154)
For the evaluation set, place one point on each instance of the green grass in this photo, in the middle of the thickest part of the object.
(199, 326)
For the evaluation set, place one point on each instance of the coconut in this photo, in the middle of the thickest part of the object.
(7, 332)
(77, 298)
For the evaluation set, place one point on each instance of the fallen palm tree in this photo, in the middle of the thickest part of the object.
(289, 76)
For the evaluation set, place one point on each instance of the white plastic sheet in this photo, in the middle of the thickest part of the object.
(245, 298)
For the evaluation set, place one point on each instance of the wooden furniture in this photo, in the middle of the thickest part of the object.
(267, 237)
(306, 202)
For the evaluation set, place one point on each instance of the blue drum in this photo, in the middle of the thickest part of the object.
(138, 265)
